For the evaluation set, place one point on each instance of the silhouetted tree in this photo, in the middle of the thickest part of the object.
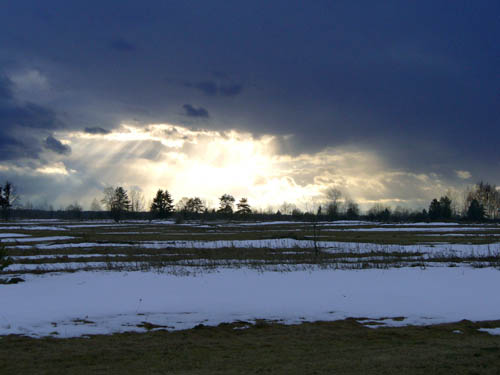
(297, 213)
(333, 196)
(95, 206)
(440, 209)
(7, 199)
(162, 205)
(486, 195)
(434, 210)
(379, 212)
(107, 200)
(243, 207)
(286, 208)
(226, 203)
(75, 210)
(194, 205)
(136, 200)
(120, 203)
(352, 211)
(445, 205)
(475, 211)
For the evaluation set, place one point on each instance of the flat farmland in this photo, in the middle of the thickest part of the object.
(245, 283)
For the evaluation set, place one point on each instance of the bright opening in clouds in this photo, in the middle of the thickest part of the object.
(208, 163)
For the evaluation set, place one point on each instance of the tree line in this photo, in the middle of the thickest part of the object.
(478, 203)
(117, 202)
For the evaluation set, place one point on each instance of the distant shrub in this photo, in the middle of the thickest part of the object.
(179, 219)
(5, 261)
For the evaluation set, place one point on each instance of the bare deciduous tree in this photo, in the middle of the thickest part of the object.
(107, 200)
(137, 201)
(287, 208)
(95, 205)
(488, 196)
(333, 196)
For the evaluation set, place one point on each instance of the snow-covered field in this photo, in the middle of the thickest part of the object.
(87, 280)
(74, 304)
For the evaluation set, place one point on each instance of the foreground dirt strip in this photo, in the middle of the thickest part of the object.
(341, 347)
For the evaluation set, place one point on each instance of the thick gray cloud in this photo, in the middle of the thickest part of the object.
(417, 83)
(230, 90)
(122, 45)
(206, 87)
(195, 112)
(22, 125)
(212, 88)
(56, 146)
(96, 130)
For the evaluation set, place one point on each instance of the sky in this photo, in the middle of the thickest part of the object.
(391, 102)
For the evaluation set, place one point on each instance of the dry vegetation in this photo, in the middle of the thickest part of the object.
(342, 347)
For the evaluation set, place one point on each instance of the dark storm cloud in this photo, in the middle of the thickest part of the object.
(195, 112)
(12, 149)
(56, 146)
(206, 87)
(5, 88)
(415, 81)
(97, 130)
(230, 90)
(122, 45)
(212, 88)
(22, 125)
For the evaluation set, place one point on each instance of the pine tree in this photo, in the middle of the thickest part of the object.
(445, 205)
(162, 205)
(476, 211)
(5, 199)
(120, 203)
(243, 207)
(435, 210)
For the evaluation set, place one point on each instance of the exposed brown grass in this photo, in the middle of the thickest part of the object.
(342, 347)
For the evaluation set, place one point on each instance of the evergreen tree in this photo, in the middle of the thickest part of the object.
(435, 210)
(476, 211)
(120, 203)
(352, 211)
(6, 198)
(243, 207)
(445, 206)
(162, 205)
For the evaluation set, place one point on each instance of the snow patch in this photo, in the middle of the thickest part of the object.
(85, 303)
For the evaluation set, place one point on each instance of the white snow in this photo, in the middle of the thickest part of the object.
(13, 235)
(423, 223)
(491, 331)
(117, 302)
(421, 229)
(459, 250)
(37, 227)
(55, 256)
(54, 266)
